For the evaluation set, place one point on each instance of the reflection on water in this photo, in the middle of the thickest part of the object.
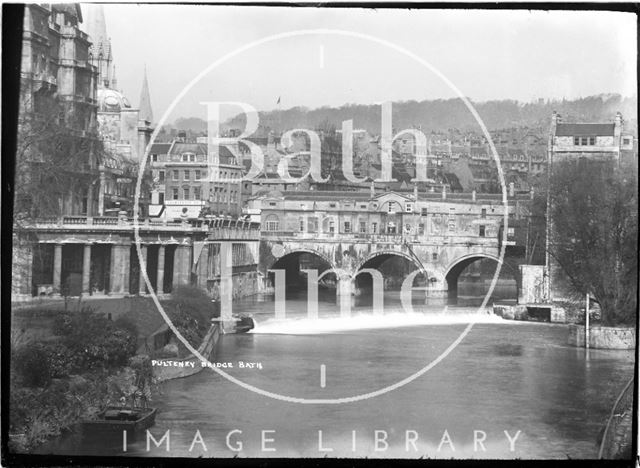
(551, 399)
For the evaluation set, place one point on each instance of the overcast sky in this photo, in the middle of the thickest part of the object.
(487, 54)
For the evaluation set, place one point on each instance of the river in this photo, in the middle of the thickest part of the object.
(508, 390)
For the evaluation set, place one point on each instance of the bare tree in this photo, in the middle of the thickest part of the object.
(594, 213)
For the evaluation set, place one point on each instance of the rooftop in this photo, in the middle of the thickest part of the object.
(585, 129)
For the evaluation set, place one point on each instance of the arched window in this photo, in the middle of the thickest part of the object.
(272, 223)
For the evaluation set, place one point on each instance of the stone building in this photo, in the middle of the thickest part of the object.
(593, 141)
(125, 130)
(185, 187)
(58, 102)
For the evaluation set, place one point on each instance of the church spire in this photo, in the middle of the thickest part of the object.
(145, 101)
(100, 49)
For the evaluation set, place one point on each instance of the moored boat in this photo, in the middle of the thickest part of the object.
(119, 418)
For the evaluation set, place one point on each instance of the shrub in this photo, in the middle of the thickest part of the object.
(31, 365)
(95, 341)
(62, 361)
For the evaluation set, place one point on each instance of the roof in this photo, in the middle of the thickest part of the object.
(585, 129)
(160, 148)
(326, 195)
(196, 148)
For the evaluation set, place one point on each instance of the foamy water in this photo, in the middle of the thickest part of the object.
(368, 321)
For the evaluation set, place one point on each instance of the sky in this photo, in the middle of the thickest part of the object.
(486, 55)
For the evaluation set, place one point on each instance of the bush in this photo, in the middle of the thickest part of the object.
(62, 361)
(32, 365)
(94, 340)
(191, 310)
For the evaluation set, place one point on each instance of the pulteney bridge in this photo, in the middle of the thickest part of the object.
(351, 231)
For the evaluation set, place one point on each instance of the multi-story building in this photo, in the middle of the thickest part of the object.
(58, 106)
(125, 130)
(186, 187)
(592, 141)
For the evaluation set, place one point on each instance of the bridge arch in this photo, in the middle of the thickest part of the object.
(455, 268)
(292, 261)
(375, 260)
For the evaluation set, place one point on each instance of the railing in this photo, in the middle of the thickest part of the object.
(228, 229)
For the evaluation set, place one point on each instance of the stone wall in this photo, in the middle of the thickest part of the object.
(191, 364)
(603, 337)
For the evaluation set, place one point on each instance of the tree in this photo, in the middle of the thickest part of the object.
(53, 161)
(594, 214)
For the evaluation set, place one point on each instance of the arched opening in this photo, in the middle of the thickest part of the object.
(469, 281)
(394, 267)
(293, 265)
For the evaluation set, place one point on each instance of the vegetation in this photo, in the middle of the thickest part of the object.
(55, 384)
(438, 115)
(594, 212)
(191, 310)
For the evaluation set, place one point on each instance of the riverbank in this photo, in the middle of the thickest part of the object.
(85, 362)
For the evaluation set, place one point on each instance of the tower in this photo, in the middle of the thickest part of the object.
(146, 114)
(100, 51)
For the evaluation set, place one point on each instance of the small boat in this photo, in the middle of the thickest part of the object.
(119, 418)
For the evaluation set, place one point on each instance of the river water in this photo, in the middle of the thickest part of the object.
(504, 381)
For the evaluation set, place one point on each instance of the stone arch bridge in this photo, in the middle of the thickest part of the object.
(441, 258)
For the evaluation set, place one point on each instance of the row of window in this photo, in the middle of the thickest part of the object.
(220, 195)
(273, 224)
(584, 141)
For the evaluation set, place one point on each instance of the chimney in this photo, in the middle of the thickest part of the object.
(512, 189)
(619, 122)
(473, 195)
(372, 189)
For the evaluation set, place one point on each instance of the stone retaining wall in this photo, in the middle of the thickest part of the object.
(603, 337)
(191, 364)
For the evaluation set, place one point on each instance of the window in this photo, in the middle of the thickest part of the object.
(185, 191)
(511, 232)
(332, 227)
(161, 198)
(434, 256)
(423, 212)
(273, 223)
(186, 175)
(161, 176)
(483, 214)
(154, 158)
(626, 141)
(196, 193)
(272, 203)
(174, 175)
(332, 205)
(407, 228)
(408, 207)
(482, 230)
(364, 207)
(421, 229)
(301, 224)
(198, 175)
(374, 227)
(192, 157)
(175, 193)
(347, 226)
(390, 208)
(584, 141)
(363, 227)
